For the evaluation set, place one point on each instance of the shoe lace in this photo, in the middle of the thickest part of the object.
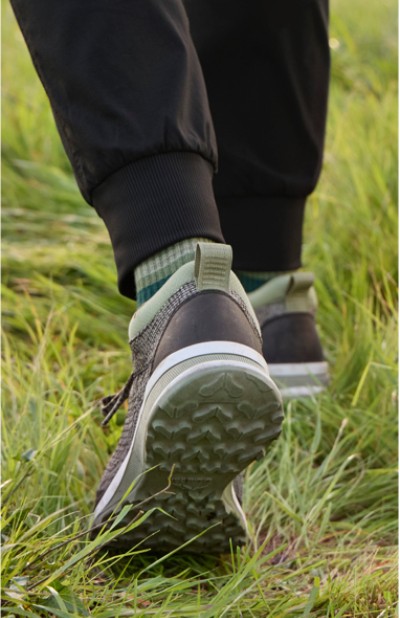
(111, 403)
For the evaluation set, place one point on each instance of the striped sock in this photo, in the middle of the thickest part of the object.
(151, 274)
(252, 280)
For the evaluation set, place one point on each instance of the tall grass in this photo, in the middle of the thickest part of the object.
(323, 505)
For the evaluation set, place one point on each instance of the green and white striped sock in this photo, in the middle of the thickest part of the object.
(151, 274)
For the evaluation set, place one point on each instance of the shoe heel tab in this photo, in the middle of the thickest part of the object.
(212, 266)
(212, 270)
(300, 282)
(300, 293)
(295, 290)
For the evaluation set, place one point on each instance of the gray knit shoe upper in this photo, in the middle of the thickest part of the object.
(143, 348)
(202, 407)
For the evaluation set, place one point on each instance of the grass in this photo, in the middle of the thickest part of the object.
(323, 505)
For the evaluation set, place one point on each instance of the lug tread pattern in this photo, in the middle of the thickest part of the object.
(202, 435)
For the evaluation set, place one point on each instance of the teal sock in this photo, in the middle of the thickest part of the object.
(151, 274)
(251, 280)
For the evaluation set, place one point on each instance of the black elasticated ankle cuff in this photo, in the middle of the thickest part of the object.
(153, 203)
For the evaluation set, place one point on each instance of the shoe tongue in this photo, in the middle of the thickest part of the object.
(212, 267)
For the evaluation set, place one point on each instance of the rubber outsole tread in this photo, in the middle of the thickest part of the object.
(201, 434)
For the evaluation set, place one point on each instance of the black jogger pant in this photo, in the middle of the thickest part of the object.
(131, 84)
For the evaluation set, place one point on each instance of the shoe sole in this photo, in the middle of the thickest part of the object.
(298, 380)
(205, 418)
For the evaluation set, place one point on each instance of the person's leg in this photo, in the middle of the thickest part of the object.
(127, 92)
(129, 100)
(266, 67)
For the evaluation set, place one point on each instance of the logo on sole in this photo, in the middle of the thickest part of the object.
(191, 482)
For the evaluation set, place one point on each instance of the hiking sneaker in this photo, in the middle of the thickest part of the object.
(202, 407)
(285, 308)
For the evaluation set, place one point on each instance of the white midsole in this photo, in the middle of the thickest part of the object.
(298, 369)
(200, 349)
(230, 497)
(298, 380)
(297, 392)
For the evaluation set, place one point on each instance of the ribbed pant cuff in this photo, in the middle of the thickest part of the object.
(153, 203)
(266, 232)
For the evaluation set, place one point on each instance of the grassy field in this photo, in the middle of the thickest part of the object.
(324, 503)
